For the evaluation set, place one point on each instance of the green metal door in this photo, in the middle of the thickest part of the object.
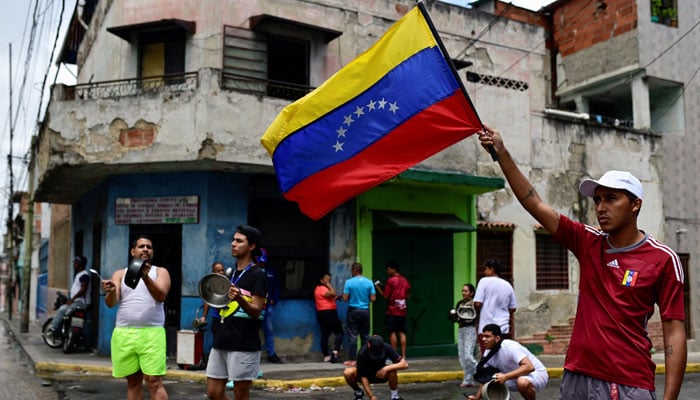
(425, 258)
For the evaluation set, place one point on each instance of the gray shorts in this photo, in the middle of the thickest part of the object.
(233, 365)
(581, 387)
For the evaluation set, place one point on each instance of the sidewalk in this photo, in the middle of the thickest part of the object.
(289, 374)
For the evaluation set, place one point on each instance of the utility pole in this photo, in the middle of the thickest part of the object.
(28, 249)
(10, 289)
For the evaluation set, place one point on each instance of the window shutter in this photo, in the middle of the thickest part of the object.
(245, 60)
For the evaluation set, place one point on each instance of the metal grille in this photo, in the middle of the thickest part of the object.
(135, 87)
(497, 81)
(263, 87)
(245, 66)
(552, 263)
(495, 244)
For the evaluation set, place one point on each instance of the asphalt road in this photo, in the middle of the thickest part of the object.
(73, 387)
(16, 379)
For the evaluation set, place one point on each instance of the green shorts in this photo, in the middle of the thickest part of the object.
(135, 349)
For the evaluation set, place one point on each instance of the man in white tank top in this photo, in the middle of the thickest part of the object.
(138, 343)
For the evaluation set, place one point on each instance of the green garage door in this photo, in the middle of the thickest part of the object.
(425, 258)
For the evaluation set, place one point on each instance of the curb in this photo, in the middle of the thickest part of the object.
(336, 381)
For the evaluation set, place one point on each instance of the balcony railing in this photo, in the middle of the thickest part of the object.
(264, 87)
(134, 87)
(182, 82)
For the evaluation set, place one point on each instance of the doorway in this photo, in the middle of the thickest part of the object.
(425, 258)
(167, 252)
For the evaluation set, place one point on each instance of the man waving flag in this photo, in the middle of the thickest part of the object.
(393, 106)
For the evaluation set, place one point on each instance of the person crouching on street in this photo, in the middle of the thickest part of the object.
(519, 369)
(372, 367)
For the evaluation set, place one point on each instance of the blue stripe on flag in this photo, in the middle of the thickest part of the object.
(414, 85)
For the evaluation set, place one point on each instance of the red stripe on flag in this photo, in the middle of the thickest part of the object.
(397, 151)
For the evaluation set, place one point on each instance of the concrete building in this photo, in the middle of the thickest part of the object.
(633, 64)
(161, 136)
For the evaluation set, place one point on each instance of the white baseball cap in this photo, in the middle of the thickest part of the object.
(615, 180)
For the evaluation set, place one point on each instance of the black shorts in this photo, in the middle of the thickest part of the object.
(371, 379)
(394, 323)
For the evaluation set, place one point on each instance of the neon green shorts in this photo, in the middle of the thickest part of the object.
(135, 349)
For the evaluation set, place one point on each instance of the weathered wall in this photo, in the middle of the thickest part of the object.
(603, 58)
(672, 54)
(580, 25)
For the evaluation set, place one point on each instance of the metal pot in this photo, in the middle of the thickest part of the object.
(213, 289)
(493, 390)
(133, 272)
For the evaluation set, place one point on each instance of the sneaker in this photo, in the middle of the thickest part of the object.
(334, 359)
(274, 359)
(397, 398)
(359, 394)
(229, 385)
(327, 359)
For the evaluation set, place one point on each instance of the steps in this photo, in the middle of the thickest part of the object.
(556, 339)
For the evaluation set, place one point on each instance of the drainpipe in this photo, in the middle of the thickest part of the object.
(553, 51)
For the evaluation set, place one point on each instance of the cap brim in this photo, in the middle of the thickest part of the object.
(587, 187)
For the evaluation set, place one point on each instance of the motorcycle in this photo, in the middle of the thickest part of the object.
(71, 334)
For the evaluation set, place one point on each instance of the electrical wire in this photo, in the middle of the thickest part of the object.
(53, 50)
(486, 29)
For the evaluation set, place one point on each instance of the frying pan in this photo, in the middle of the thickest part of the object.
(133, 272)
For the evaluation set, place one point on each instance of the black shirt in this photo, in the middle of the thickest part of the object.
(368, 367)
(239, 332)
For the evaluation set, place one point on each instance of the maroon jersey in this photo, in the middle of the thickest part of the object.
(618, 288)
(396, 293)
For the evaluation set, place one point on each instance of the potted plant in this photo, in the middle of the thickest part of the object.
(656, 6)
(669, 16)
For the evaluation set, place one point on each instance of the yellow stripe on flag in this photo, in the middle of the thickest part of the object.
(406, 37)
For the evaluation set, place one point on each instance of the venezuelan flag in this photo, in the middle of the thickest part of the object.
(395, 105)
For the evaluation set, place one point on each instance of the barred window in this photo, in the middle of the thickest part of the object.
(552, 263)
(495, 244)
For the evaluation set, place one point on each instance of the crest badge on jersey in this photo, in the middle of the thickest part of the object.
(630, 278)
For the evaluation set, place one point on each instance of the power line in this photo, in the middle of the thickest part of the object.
(53, 50)
(488, 27)
(672, 44)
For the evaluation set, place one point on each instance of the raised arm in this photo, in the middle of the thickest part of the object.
(521, 187)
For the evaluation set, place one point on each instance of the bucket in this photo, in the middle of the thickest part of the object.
(493, 390)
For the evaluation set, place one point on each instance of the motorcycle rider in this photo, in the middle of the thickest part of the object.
(80, 293)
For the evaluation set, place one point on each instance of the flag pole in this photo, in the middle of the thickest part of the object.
(424, 11)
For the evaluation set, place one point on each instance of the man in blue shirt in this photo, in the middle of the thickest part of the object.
(359, 293)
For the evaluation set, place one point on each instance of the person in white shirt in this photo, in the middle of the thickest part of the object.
(79, 295)
(494, 300)
(518, 368)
